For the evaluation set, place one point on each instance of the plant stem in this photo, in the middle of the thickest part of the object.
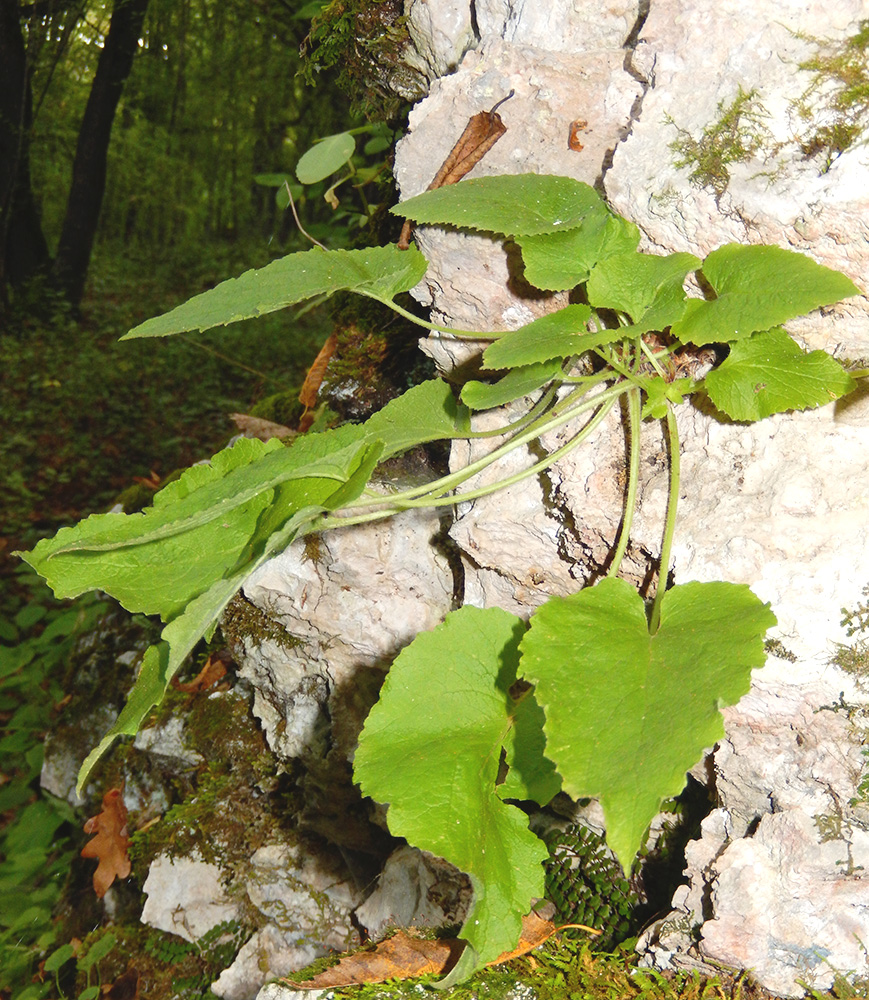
(432, 494)
(458, 334)
(670, 524)
(633, 479)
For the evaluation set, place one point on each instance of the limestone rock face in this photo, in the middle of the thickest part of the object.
(780, 505)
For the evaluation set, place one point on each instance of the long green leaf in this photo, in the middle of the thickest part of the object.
(758, 287)
(512, 204)
(431, 748)
(380, 272)
(560, 334)
(628, 713)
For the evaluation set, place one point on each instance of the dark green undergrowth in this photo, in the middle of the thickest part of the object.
(84, 415)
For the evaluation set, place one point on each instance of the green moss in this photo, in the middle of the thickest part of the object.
(244, 620)
(281, 408)
(838, 95)
(363, 41)
(775, 647)
(737, 135)
(167, 965)
(233, 804)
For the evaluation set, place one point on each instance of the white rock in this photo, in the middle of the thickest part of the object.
(186, 897)
(416, 889)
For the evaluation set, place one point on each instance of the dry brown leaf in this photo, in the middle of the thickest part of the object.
(314, 378)
(259, 428)
(125, 987)
(110, 843)
(213, 671)
(406, 957)
(398, 957)
(480, 135)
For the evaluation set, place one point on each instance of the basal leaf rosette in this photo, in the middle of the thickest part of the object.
(629, 713)
(431, 750)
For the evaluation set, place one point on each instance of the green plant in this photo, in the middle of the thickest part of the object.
(36, 641)
(600, 695)
(837, 99)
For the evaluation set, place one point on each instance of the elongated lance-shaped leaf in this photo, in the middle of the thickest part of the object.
(431, 749)
(629, 713)
(769, 373)
(560, 334)
(380, 272)
(158, 560)
(756, 288)
(512, 204)
(202, 525)
(515, 384)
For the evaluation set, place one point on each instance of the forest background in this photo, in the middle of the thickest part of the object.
(142, 148)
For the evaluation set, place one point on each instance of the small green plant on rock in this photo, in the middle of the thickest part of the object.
(601, 694)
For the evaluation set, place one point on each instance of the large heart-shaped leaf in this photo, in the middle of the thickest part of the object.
(628, 713)
(431, 748)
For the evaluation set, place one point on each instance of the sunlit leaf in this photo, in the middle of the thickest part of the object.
(758, 287)
(561, 260)
(629, 713)
(513, 204)
(769, 373)
(382, 272)
(431, 748)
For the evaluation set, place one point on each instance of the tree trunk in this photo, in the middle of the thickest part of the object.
(89, 167)
(23, 250)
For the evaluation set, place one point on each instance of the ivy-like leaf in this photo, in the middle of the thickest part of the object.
(560, 334)
(628, 713)
(325, 157)
(646, 287)
(557, 261)
(379, 272)
(758, 287)
(512, 204)
(514, 385)
(769, 373)
(431, 748)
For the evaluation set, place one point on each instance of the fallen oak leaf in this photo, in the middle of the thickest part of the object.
(110, 843)
(398, 957)
(404, 957)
